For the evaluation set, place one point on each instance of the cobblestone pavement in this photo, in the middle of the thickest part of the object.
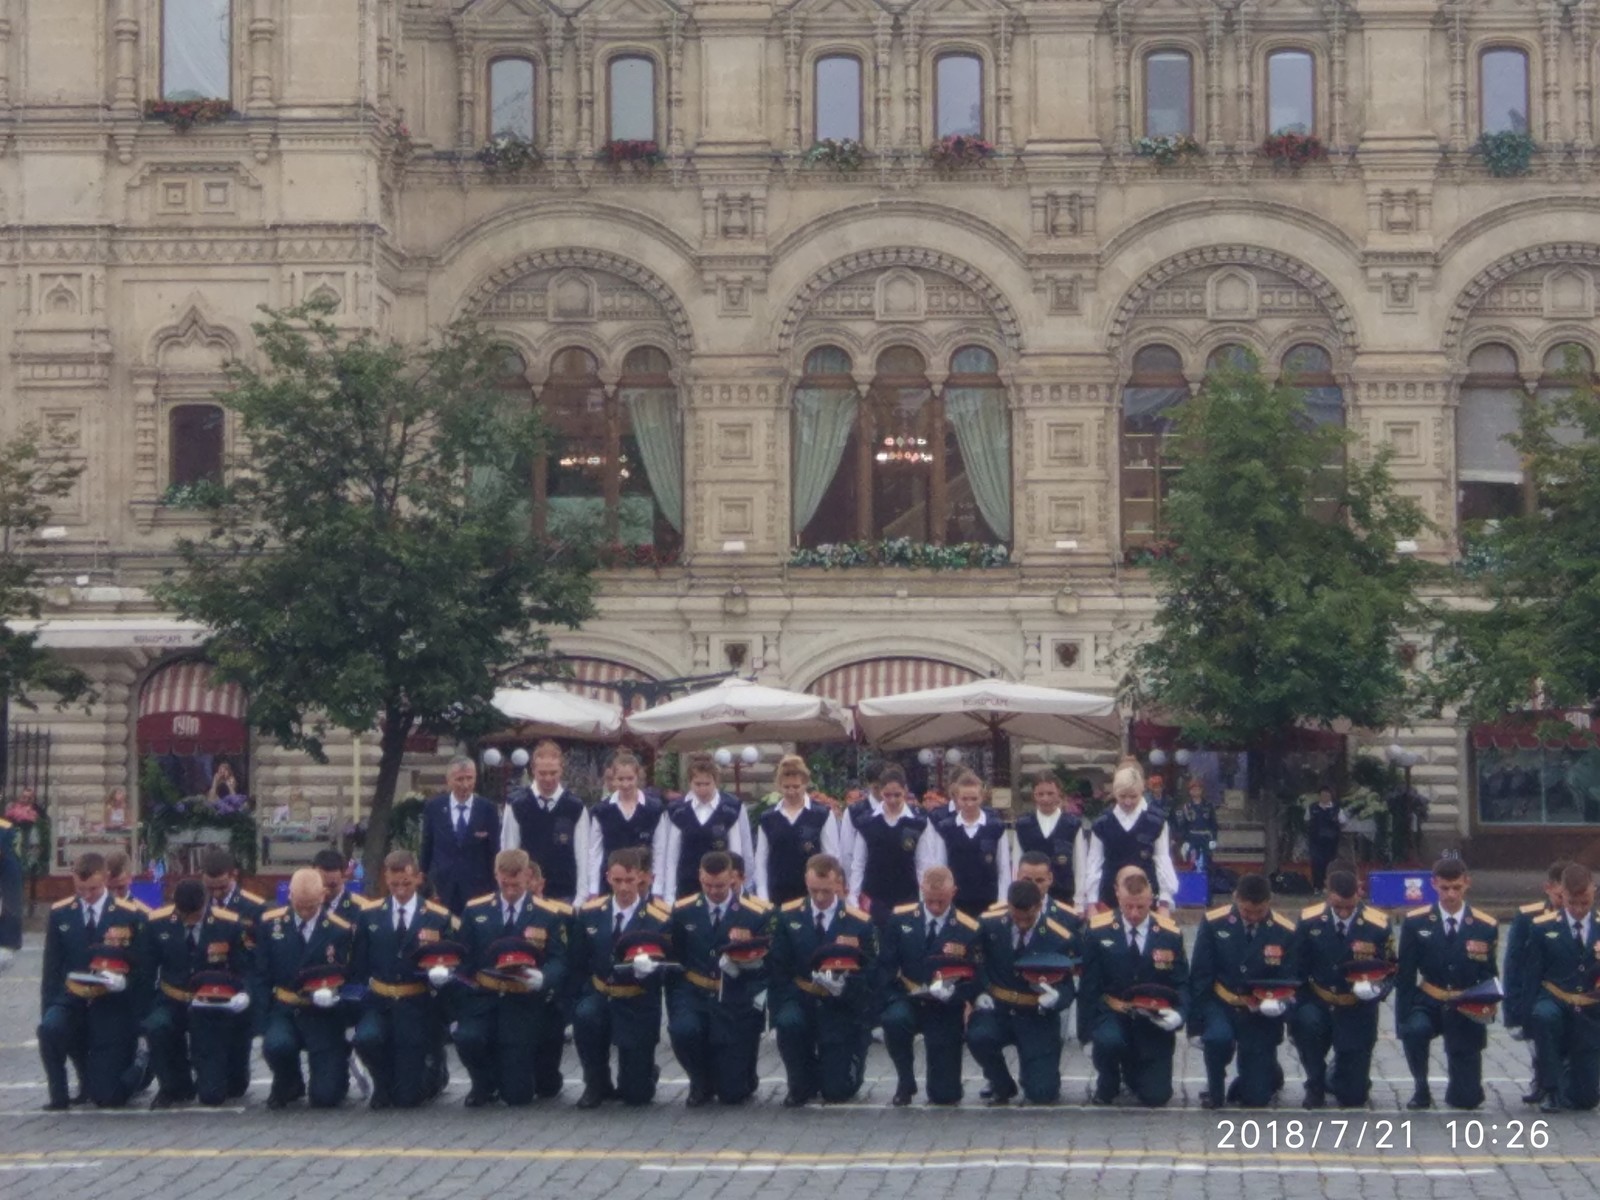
(846, 1152)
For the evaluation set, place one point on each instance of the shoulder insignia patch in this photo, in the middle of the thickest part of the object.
(438, 909)
(1487, 918)
(685, 902)
(225, 914)
(794, 905)
(252, 897)
(901, 910)
(1546, 918)
(1375, 916)
(67, 903)
(1057, 928)
(1532, 909)
(272, 914)
(1217, 913)
(657, 909)
(1423, 911)
(997, 910)
(1165, 922)
(857, 913)
(339, 922)
(132, 906)
(1101, 920)
(367, 904)
(162, 913)
(597, 902)
(1312, 913)
(1284, 922)
(560, 907)
(965, 921)
(480, 901)
(755, 904)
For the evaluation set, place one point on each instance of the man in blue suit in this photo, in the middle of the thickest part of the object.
(1557, 996)
(11, 880)
(460, 837)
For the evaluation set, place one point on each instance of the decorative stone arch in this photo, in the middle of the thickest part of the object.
(1554, 254)
(1222, 257)
(887, 259)
(476, 300)
(871, 647)
(191, 331)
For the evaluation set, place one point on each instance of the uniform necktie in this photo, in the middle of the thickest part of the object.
(511, 915)
(1250, 933)
(400, 922)
(461, 820)
(1577, 930)
(933, 928)
(1449, 929)
(621, 920)
(716, 919)
(89, 921)
(822, 924)
(1344, 931)
(194, 941)
(1133, 939)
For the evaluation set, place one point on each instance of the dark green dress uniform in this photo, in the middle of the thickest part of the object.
(11, 886)
(1125, 1047)
(715, 1021)
(1435, 965)
(822, 1039)
(1560, 969)
(189, 1046)
(1328, 1015)
(1228, 955)
(293, 1022)
(249, 906)
(1016, 1018)
(93, 1027)
(1512, 973)
(614, 1008)
(503, 1031)
(400, 1032)
(910, 942)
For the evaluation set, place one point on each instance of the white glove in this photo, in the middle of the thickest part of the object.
(644, 966)
(324, 998)
(759, 1000)
(114, 982)
(728, 967)
(1272, 1007)
(534, 979)
(1519, 1034)
(238, 1002)
(1049, 998)
(830, 982)
(1170, 1019)
(1365, 989)
(438, 975)
(942, 990)
(7, 957)
(984, 1003)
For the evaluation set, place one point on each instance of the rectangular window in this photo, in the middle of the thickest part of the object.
(1521, 781)
(958, 95)
(196, 49)
(1168, 97)
(633, 100)
(1503, 86)
(195, 443)
(511, 98)
(1291, 92)
(838, 98)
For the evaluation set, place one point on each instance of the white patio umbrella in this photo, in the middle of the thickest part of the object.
(740, 710)
(987, 708)
(550, 710)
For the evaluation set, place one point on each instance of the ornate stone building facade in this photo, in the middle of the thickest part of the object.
(765, 341)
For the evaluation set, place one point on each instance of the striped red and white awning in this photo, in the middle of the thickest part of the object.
(888, 677)
(587, 673)
(188, 687)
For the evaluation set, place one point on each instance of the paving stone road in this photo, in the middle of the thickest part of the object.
(848, 1152)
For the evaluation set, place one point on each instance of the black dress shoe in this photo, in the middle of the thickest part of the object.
(1551, 1103)
(379, 1102)
(78, 1098)
(1419, 1101)
(1532, 1097)
(276, 1102)
(796, 1100)
(1315, 1098)
(1100, 1101)
(592, 1097)
(1001, 1099)
(477, 1099)
(902, 1096)
(1207, 1100)
(166, 1100)
(699, 1096)
(986, 1092)
(55, 1106)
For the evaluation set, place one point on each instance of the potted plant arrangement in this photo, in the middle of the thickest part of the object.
(1508, 153)
(1168, 149)
(839, 154)
(1293, 150)
(903, 552)
(184, 115)
(507, 154)
(632, 152)
(959, 150)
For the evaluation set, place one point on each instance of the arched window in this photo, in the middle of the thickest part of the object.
(1291, 92)
(1230, 356)
(1168, 94)
(1155, 390)
(653, 437)
(1564, 367)
(194, 444)
(904, 463)
(958, 95)
(511, 99)
(1309, 368)
(631, 111)
(1489, 473)
(518, 395)
(837, 98)
(196, 49)
(1503, 90)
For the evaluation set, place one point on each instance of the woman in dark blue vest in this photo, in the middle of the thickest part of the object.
(1128, 834)
(974, 845)
(706, 819)
(1054, 832)
(790, 833)
(626, 819)
(892, 847)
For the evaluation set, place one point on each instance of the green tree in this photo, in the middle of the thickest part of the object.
(370, 562)
(1527, 639)
(1284, 599)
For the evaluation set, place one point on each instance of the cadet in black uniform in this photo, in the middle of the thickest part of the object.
(1334, 1013)
(302, 957)
(625, 820)
(714, 1019)
(1445, 949)
(1037, 868)
(189, 1045)
(546, 821)
(706, 820)
(96, 1024)
(400, 1032)
(337, 897)
(620, 1005)
(1559, 996)
(1238, 947)
(1014, 1010)
(1056, 833)
(1124, 950)
(822, 1015)
(789, 834)
(1515, 969)
(219, 872)
(930, 957)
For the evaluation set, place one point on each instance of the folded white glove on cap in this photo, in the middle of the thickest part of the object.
(439, 975)
(238, 1002)
(727, 966)
(324, 998)
(942, 990)
(1049, 998)
(829, 981)
(1272, 1007)
(1170, 1020)
(984, 1003)
(114, 982)
(643, 966)
(1365, 989)
(534, 979)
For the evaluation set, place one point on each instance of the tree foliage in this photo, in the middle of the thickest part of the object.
(1284, 599)
(370, 563)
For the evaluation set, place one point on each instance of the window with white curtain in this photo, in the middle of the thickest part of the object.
(1489, 473)
(196, 49)
(1155, 391)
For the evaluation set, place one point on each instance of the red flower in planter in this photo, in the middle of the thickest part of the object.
(184, 115)
(1293, 149)
(617, 152)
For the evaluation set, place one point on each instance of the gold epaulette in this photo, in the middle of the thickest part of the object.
(597, 902)
(658, 909)
(1101, 920)
(1279, 919)
(272, 914)
(901, 910)
(132, 906)
(997, 910)
(858, 914)
(162, 913)
(222, 914)
(366, 904)
(338, 921)
(1165, 922)
(1538, 906)
(1315, 911)
(480, 901)
(755, 904)
(686, 902)
(1057, 928)
(438, 909)
(1375, 915)
(1420, 912)
(965, 921)
(1070, 909)
(1546, 918)
(67, 903)
(5, 824)
(1216, 914)
(252, 897)
(795, 905)
(1487, 918)
(560, 907)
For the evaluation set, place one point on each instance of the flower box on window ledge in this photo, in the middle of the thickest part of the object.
(1293, 150)
(184, 115)
(624, 554)
(903, 552)
(509, 154)
(1507, 154)
(201, 494)
(634, 153)
(839, 154)
(959, 150)
(1168, 150)
(1149, 553)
